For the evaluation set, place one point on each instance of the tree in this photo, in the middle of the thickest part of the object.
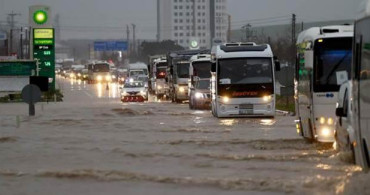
(157, 48)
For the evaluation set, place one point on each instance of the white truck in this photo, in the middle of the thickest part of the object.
(323, 64)
(136, 69)
(243, 80)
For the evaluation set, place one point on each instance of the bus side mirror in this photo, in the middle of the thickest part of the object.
(213, 67)
(277, 65)
(340, 112)
(308, 57)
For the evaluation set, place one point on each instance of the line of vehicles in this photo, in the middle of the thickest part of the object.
(332, 86)
(332, 82)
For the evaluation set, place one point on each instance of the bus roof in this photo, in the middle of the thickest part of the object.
(200, 58)
(315, 33)
(243, 50)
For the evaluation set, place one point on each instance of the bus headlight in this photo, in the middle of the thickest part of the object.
(108, 78)
(181, 89)
(325, 132)
(330, 121)
(322, 120)
(99, 78)
(199, 95)
(225, 99)
(267, 98)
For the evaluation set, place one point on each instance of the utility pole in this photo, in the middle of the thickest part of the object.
(302, 26)
(134, 37)
(128, 39)
(21, 43)
(247, 32)
(11, 24)
(293, 29)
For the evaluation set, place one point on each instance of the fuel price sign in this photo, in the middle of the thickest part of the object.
(44, 53)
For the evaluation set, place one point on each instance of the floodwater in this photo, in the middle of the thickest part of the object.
(93, 144)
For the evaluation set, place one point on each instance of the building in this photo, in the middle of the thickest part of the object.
(185, 21)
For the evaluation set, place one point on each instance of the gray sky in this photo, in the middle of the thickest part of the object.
(87, 18)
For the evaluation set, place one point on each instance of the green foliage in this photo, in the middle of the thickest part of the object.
(285, 103)
(46, 97)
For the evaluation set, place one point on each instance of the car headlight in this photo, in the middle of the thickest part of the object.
(108, 78)
(181, 89)
(124, 93)
(99, 78)
(225, 99)
(159, 87)
(143, 92)
(79, 74)
(114, 77)
(199, 95)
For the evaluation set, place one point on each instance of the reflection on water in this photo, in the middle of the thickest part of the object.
(107, 90)
(99, 88)
(267, 122)
(228, 122)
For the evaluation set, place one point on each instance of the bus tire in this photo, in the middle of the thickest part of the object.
(366, 155)
(312, 138)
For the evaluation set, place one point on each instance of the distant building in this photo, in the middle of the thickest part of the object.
(184, 21)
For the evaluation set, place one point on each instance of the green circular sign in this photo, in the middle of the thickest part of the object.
(40, 17)
(194, 44)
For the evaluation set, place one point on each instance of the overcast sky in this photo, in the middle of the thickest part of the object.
(88, 18)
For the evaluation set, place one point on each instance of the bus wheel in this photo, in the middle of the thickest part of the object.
(310, 138)
(367, 159)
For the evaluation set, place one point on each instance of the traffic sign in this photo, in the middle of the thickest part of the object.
(110, 46)
(31, 94)
(3, 36)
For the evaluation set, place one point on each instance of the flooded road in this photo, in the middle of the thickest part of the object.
(93, 144)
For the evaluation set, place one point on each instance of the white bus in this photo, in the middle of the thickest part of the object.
(159, 84)
(361, 87)
(323, 63)
(243, 80)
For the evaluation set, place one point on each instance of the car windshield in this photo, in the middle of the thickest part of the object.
(183, 70)
(245, 71)
(202, 84)
(333, 58)
(101, 68)
(202, 69)
(136, 73)
(133, 85)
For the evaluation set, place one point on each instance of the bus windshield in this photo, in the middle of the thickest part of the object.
(245, 71)
(333, 57)
(161, 72)
(203, 84)
(202, 69)
(101, 68)
(183, 70)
